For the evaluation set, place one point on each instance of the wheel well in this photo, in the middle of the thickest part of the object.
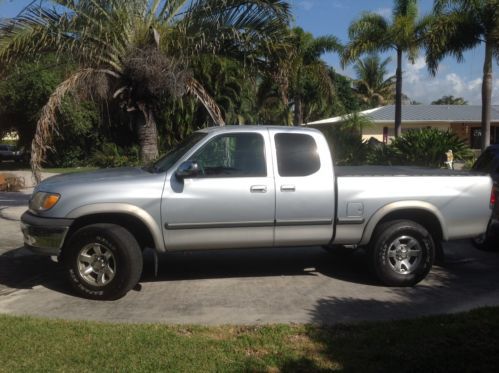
(133, 224)
(422, 217)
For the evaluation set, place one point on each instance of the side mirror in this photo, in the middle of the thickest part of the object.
(187, 170)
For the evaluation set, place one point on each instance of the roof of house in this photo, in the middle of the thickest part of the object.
(423, 113)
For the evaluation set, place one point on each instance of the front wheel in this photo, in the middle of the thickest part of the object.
(103, 261)
(402, 253)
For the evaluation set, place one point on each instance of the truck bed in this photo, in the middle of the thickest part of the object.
(359, 171)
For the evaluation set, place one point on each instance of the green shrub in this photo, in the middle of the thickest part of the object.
(383, 154)
(111, 155)
(346, 145)
(427, 147)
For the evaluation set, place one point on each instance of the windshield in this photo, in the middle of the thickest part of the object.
(169, 159)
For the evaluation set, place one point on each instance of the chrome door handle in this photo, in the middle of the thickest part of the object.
(258, 189)
(288, 188)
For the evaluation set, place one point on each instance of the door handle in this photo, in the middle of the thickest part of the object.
(258, 189)
(288, 188)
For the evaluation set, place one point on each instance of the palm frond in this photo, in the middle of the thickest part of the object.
(368, 34)
(198, 91)
(450, 34)
(46, 124)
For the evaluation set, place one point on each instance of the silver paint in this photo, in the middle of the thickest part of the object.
(208, 213)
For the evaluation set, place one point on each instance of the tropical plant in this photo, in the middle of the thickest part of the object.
(460, 25)
(371, 85)
(230, 85)
(450, 100)
(346, 100)
(427, 147)
(138, 50)
(346, 144)
(374, 33)
(24, 90)
(300, 79)
(305, 66)
(345, 139)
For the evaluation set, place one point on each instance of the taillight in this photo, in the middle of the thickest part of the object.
(493, 196)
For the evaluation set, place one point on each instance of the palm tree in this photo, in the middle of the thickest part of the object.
(305, 64)
(459, 25)
(138, 50)
(450, 100)
(296, 66)
(371, 85)
(374, 33)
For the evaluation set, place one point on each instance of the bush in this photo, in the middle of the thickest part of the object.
(426, 147)
(346, 145)
(112, 155)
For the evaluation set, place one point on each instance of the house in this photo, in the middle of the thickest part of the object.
(463, 120)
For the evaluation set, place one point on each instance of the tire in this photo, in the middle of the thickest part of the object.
(102, 261)
(401, 253)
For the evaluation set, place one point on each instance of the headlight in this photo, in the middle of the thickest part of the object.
(42, 201)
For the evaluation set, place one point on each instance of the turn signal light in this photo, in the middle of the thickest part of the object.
(50, 201)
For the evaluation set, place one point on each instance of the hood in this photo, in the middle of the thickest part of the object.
(122, 174)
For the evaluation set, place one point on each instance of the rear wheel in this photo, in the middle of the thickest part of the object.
(103, 261)
(402, 253)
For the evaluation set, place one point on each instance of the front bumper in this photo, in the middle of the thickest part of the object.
(44, 236)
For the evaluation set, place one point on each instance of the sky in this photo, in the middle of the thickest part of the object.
(332, 17)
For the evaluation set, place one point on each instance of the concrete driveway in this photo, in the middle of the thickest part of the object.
(245, 286)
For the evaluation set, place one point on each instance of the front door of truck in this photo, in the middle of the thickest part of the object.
(230, 203)
(304, 188)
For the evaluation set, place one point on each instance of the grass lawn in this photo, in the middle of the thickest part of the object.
(463, 342)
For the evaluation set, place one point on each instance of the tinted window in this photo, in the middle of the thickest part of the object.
(297, 154)
(233, 155)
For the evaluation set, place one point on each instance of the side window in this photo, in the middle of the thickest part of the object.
(233, 155)
(297, 154)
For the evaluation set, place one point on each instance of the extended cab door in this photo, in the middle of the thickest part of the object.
(305, 188)
(231, 203)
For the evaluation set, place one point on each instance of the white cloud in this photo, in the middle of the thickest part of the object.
(420, 86)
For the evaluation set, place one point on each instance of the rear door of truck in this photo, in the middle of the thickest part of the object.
(304, 186)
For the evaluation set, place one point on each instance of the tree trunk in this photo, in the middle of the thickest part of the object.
(147, 134)
(298, 114)
(398, 95)
(486, 95)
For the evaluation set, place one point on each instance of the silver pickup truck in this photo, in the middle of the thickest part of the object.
(248, 187)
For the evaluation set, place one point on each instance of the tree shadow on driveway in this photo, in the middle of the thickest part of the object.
(18, 271)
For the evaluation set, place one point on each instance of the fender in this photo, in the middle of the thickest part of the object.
(400, 206)
(122, 208)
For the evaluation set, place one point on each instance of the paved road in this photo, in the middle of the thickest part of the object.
(250, 286)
